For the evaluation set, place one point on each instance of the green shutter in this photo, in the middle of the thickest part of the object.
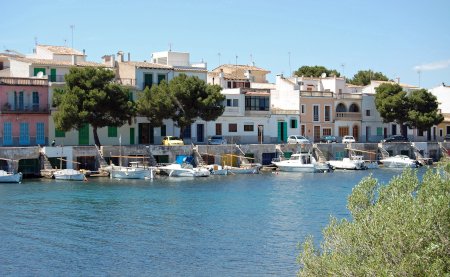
(52, 75)
(60, 134)
(161, 77)
(131, 136)
(83, 135)
(379, 131)
(112, 132)
(37, 70)
(148, 80)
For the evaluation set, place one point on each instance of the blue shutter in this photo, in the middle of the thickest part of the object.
(40, 134)
(7, 133)
(24, 138)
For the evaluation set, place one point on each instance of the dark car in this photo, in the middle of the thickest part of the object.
(328, 139)
(447, 138)
(395, 138)
(217, 140)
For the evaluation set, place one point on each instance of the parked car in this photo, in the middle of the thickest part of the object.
(171, 141)
(214, 140)
(328, 139)
(348, 139)
(395, 138)
(294, 139)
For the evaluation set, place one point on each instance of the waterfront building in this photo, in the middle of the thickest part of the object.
(373, 127)
(24, 111)
(442, 131)
(255, 110)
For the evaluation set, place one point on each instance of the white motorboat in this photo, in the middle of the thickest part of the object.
(7, 177)
(185, 170)
(399, 161)
(355, 162)
(69, 174)
(134, 171)
(243, 169)
(216, 169)
(302, 162)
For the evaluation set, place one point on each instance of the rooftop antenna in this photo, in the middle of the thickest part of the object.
(289, 59)
(65, 42)
(170, 46)
(35, 41)
(419, 72)
(218, 54)
(251, 59)
(72, 27)
(343, 69)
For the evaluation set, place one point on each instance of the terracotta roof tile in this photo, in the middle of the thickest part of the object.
(239, 67)
(58, 63)
(61, 50)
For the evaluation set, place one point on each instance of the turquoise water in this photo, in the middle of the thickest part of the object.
(217, 226)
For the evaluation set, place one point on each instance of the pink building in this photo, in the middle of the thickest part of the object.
(24, 111)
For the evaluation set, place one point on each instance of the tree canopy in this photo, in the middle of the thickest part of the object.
(315, 71)
(90, 97)
(183, 99)
(363, 77)
(417, 109)
(398, 229)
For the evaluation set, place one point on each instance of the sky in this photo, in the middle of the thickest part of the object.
(402, 39)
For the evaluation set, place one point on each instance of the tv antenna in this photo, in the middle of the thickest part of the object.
(72, 27)
(289, 60)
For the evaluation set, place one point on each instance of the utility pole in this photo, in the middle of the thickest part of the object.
(72, 27)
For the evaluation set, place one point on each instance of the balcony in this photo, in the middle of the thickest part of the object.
(15, 81)
(349, 96)
(348, 116)
(305, 93)
(126, 81)
(56, 78)
(35, 109)
(277, 111)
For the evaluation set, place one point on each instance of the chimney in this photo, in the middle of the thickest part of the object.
(84, 52)
(128, 56)
(120, 57)
(221, 75)
(74, 59)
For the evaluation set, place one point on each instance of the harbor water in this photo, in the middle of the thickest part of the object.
(242, 225)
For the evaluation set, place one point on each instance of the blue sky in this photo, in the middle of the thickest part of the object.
(393, 37)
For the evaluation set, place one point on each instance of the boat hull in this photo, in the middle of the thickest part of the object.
(11, 178)
(308, 168)
(348, 165)
(175, 170)
(69, 175)
(132, 173)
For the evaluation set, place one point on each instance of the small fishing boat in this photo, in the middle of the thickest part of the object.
(399, 161)
(355, 162)
(7, 177)
(184, 170)
(301, 162)
(69, 174)
(134, 171)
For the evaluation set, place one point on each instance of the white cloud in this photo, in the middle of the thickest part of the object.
(432, 66)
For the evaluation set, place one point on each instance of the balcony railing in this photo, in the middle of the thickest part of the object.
(349, 96)
(126, 81)
(15, 81)
(348, 116)
(285, 112)
(305, 93)
(56, 78)
(34, 109)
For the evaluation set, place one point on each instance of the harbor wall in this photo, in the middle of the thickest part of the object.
(87, 157)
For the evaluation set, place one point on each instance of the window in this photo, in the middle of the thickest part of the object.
(441, 133)
(315, 113)
(257, 103)
(7, 133)
(187, 132)
(59, 133)
(248, 128)
(379, 131)
(24, 137)
(37, 70)
(161, 77)
(343, 131)
(229, 84)
(420, 133)
(148, 80)
(326, 131)
(232, 127)
(219, 129)
(353, 108)
(327, 113)
(40, 133)
(112, 132)
(293, 123)
(232, 102)
(163, 130)
(21, 103)
(303, 108)
(340, 91)
(235, 102)
(35, 101)
(367, 112)
(447, 129)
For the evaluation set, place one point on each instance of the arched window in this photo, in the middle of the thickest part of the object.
(353, 108)
(340, 108)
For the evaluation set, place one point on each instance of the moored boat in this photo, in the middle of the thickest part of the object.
(399, 161)
(134, 171)
(7, 177)
(301, 162)
(355, 162)
(185, 170)
(69, 174)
